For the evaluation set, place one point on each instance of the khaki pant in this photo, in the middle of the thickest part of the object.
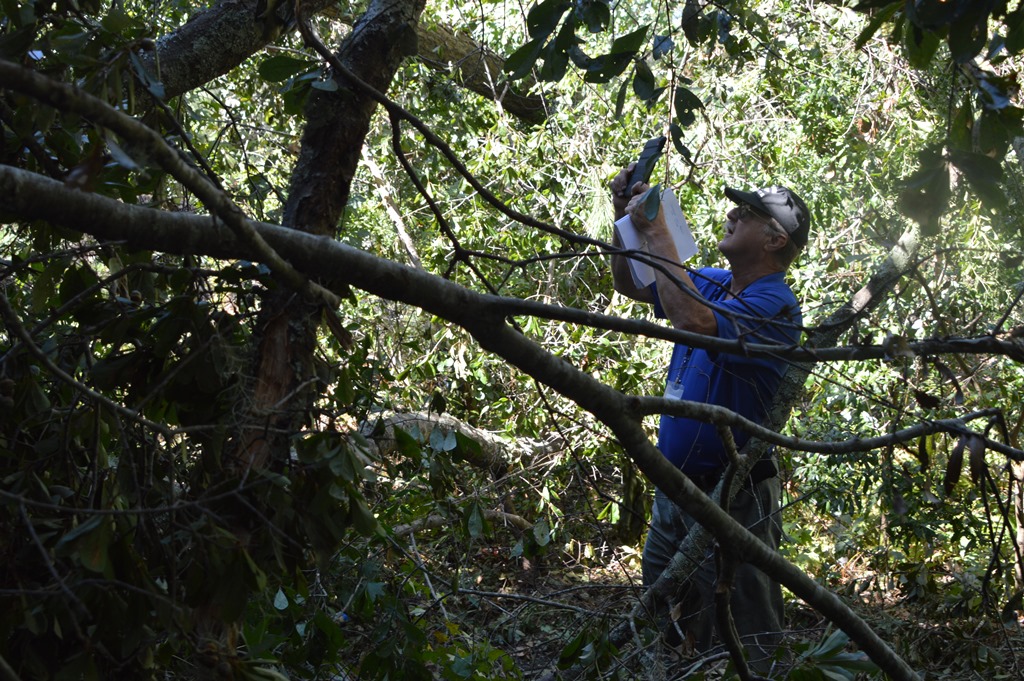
(756, 600)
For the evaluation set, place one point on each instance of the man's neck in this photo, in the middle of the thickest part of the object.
(746, 276)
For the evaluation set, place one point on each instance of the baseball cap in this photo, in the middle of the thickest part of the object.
(788, 209)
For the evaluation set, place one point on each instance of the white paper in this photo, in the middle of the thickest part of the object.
(686, 247)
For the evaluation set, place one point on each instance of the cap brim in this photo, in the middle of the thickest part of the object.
(749, 198)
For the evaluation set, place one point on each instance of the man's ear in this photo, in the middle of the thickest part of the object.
(776, 242)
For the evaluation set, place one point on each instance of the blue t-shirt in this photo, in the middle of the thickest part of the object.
(746, 385)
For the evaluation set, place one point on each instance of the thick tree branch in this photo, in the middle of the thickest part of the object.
(31, 196)
(336, 127)
(219, 39)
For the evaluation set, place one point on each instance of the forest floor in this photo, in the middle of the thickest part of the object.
(540, 610)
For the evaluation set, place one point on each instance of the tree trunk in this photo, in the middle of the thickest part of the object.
(337, 124)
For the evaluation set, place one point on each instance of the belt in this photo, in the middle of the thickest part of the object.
(762, 470)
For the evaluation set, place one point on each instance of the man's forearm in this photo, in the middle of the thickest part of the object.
(686, 309)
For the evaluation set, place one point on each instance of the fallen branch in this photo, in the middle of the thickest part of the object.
(437, 520)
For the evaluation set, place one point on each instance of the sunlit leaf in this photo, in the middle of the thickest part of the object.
(651, 201)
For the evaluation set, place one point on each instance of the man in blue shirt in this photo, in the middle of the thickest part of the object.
(764, 233)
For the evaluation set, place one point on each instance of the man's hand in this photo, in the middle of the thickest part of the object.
(620, 192)
(637, 211)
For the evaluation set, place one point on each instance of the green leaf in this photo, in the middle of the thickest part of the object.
(282, 67)
(876, 22)
(644, 85)
(14, 45)
(571, 650)
(328, 85)
(962, 126)
(467, 446)
(151, 83)
(442, 441)
(120, 156)
(474, 520)
(1015, 31)
(652, 202)
(836, 641)
(605, 67)
(919, 45)
(663, 44)
(542, 532)
(676, 133)
(630, 43)
(620, 98)
(685, 104)
(362, 519)
(998, 129)
(984, 175)
(925, 194)
(556, 63)
(966, 40)
(542, 19)
(408, 445)
(92, 541)
(595, 14)
(42, 297)
(294, 97)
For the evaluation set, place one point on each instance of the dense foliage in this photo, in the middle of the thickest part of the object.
(215, 464)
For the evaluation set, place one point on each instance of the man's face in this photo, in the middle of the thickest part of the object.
(744, 232)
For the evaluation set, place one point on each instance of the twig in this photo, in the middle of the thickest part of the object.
(538, 601)
(426, 576)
